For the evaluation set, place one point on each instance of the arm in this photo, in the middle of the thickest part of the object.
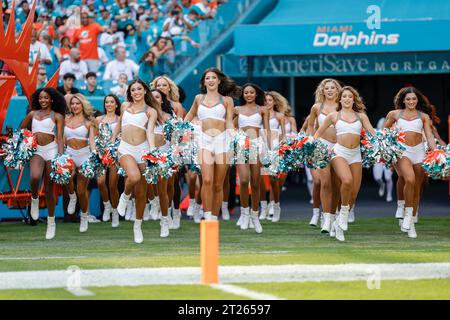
(366, 123)
(293, 124)
(390, 119)
(60, 132)
(437, 136)
(151, 127)
(266, 125)
(193, 111)
(107, 74)
(325, 125)
(92, 136)
(282, 120)
(429, 132)
(230, 112)
(311, 120)
(27, 121)
(304, 127)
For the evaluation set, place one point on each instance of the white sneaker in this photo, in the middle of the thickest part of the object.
(389, 198)
(343, 218)
(400, 213)
(190, 210)
(351, 215)
(123, 204)
(239, 222)
(34, 210)
(407, 219)
(138, 236)
(84, 222)
(315, 219)
(332, 229)
(322, 219)
(72, 203)
(276, 212)
(255, 221)
(339, 232)
(326, 223)
(251, 225)
(176, 219)
(412, 230)
(107, 212)
(225, 212)
(271, 210)
(51, 228)
(154, 209)
(264, 210)
(245, 214)
(169, 218)
(147, 211)
(381, 189)
(129, 209)
(114, 218)
(93, 219)
(164, 223)
(196, 213)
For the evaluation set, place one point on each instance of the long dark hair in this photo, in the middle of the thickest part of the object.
(422, 102)
(58, 102)
(227, 86)
(260, 95)
(145, 55)
(116, 99)
(166, 106)
(148, 98)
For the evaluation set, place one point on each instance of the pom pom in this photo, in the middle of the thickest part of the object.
(62, 167)
(437, 163)
(386, 146)
(92, 167)
(158, 165)
(106, 149)
(240, 146)
(120, 171)
(19, 149)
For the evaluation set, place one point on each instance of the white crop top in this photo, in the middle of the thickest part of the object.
(217, 112)
(138, 119)
(44, 126)
(414, 125)
(344, 127)
(322, 116)
(288, 127)
(274, 124)
(254, 120)
(80, 133)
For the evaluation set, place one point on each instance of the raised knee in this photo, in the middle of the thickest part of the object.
(134, 177)
(346, 183)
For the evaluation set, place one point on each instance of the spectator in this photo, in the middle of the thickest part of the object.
(121, 89)
(102, 57)
(41, 78)
(131, 41)
(105, 17)
(204, 10)
(23, 11)
(92, 88)
(186, 6)
(161, 49)
(145, 37)
(36, 48)
(156, 23)
(64, 50)
(112, 38)
(87, 36)
(120, 65)
(122, 14)
(74, 65)
(68, 86)
(54, 53)
(147, 67)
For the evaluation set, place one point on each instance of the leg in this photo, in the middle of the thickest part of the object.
(207, 167)
(101, 182)
(244, 180)
(342, 170)
(113, 190)
(220, 171)
(406, 171)
(163, 198)
(37, 166)
(420, 176)
(389, 183)
(82, 183)
(356, 169)
(49, 194)
(254, 184)
(140, 193)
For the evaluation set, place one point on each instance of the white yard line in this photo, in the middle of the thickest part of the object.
(244, 292)
(40, 258)
(227, 275)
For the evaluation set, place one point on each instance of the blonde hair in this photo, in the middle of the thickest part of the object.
(358, 104)
(288, 112)
(280, 103)
(319, 95)
(87, 107)
(174, 93)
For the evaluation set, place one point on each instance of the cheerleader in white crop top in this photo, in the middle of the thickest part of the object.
(348, 121)
(109, 194)
(79, 139)
(136, 124)
(411, 117)
(214, 108)
(47, 124)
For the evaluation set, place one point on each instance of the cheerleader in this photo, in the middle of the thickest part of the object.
(380, 170)
(136, 124)
(215, 110)
(276, 105)
(195, 180)
(46, 117)
(411, 115)
(348, 120)
(291, 132)
(111, 107)
(325, 103)
(250, 118)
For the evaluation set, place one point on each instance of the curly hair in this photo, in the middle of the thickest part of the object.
(423, 103)
(88, 110)
(260, 95)
(166, 106)
(358, 104)
(227, 86)
(116, 99)
(174, 94)
(280, 103)
(319, 95)
(148, 98)
(434, 118)
(58, 103)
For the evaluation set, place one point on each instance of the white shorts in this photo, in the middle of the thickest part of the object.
(216, 145)
(329, 144)
(79, 155)
(47, 152)
(416, 154)
(350, 155)
(135, 151)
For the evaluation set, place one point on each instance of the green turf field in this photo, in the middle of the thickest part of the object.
(24, 248)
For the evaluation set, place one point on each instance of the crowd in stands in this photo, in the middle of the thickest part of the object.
(109, 41)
